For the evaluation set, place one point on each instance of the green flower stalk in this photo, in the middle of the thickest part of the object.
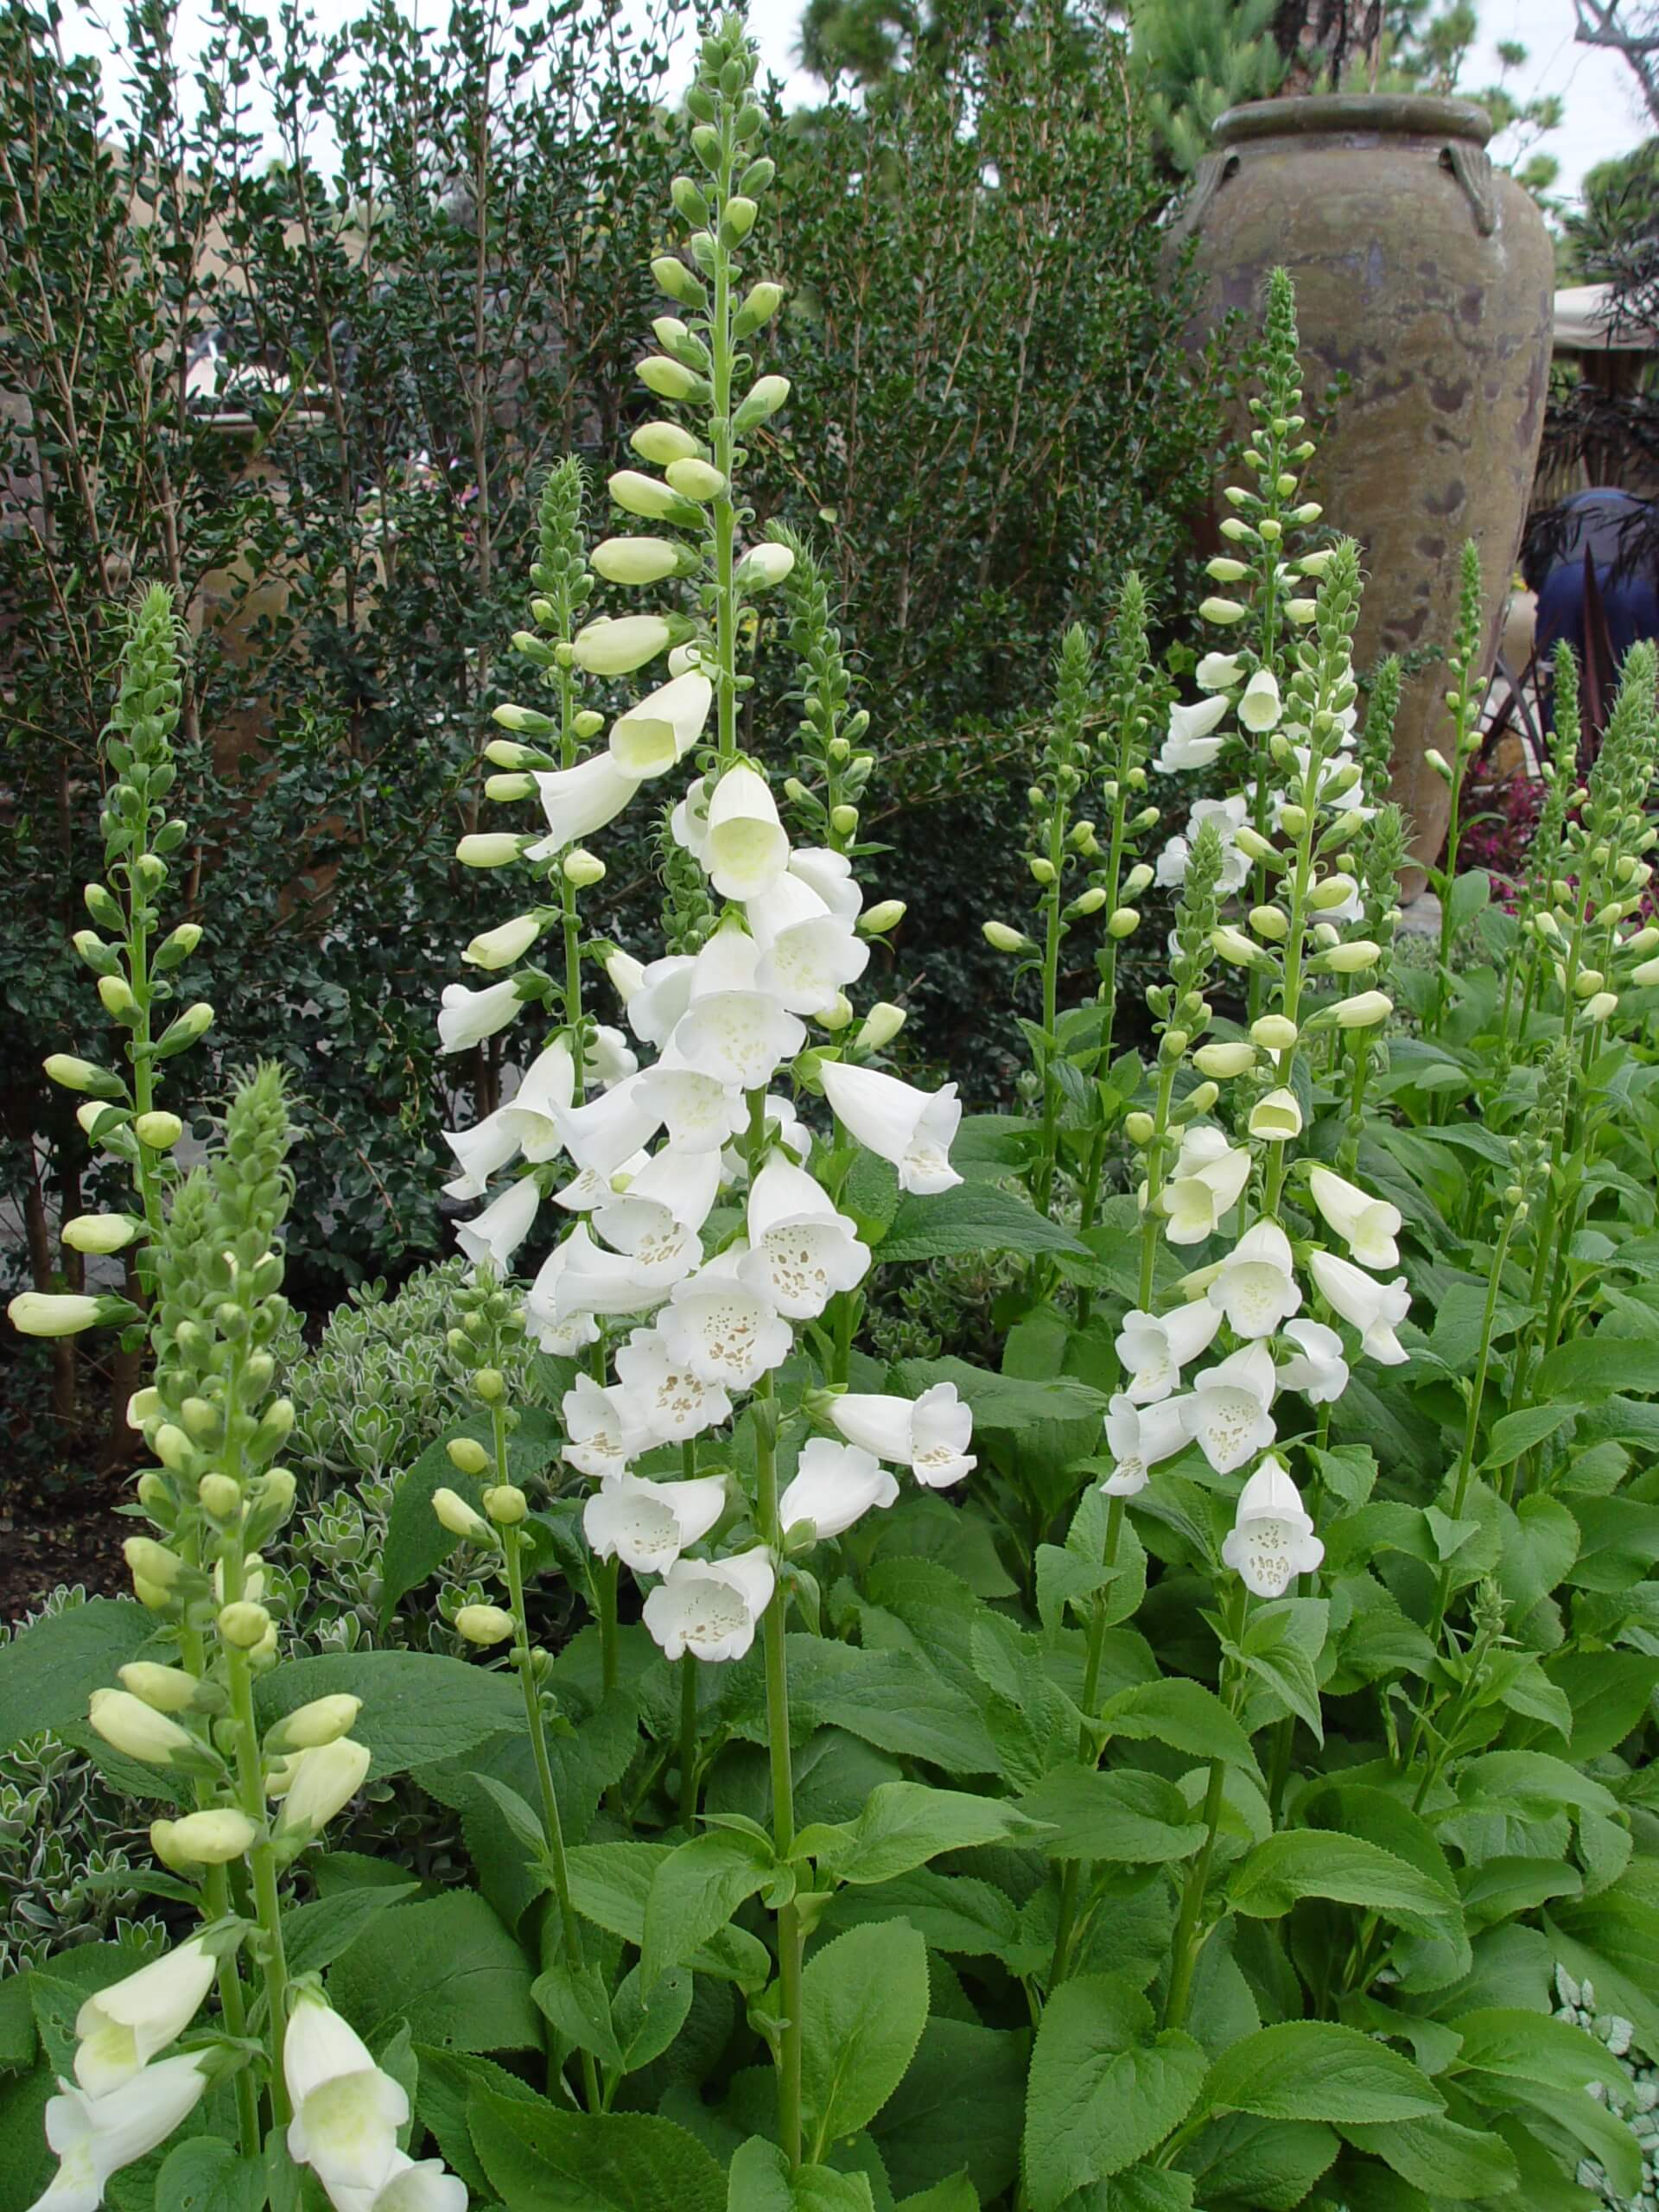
(1561, 792)
(832, 768)
(1463, 703)
(1381, 853)
(1377, 737)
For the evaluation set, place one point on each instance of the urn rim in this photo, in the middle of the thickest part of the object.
(1408, 115)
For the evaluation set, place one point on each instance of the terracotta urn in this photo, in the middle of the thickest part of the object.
(1426, 277)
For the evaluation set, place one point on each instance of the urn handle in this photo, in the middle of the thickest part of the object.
(1472, 165)
(1211, 173)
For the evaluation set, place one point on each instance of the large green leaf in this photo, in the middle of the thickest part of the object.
(903, 1824)
(205, 2175)
(1300, 1863)
(47, 1673)
(973, 1217)
(695, 1891)
(759, 2180)
(864, 2006)
(449, 1968)
(1183, 1714)
(418, 1707)
(1439, 2157)
(1122, 1814)
(959, 2105)
(1106, 2086)
(1315, 2069)
(541, 2158)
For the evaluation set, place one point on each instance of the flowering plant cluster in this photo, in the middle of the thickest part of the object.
(1172, 1766)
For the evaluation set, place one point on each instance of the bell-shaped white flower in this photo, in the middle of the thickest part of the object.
(1272, 1539)
(346, 2112)
(1229, 815)
(663, 994)
(548, 1087)
(1367, 1226)
(912, 1128)
(829, 875)
(626, 974)
(724, 1329)
(1218, 672)
(410, 2185)
(689, 822)
(562, 1335)
(711, 1607)
(930, 1434)
(322, 1783)
(1227, 1410)
(594, 1280)
(733, 1029)
(467, 1018)
(670, 1402)
(496, 1234)
(1208, 1179)
(1317, 1368)
(1192, 740)
(801, 1251)
(1276, 1117)
(120, 2029)
(579, 800)
(1376, 1309)
(647, 1525)
(656, 733)
(836, 1485)
(747, 846)
(481, 1152)
(1152, 1348)
(702, 1112)
(1259, 705)
(784, 1126)
(657, 1219)
(589, 1190)
(601, 1437)
(609, 1060)
(1255, 1285)
(95, 2137)
(808, 951)
(1137, 1438)
(612, 1127)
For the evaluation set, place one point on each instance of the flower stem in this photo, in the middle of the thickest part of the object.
(1094, 1658)
(783, 1785)
(1189, 1938)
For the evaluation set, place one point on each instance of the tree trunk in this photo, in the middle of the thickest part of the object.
(1324, 40)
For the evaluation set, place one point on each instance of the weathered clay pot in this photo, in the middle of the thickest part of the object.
(1428, 276)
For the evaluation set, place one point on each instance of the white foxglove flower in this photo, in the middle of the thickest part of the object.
(1227, 1411)
(467, 1018)
(711, 1608)
(1208, 1179)
(1367, 1226)
(608, 1060)
(1259, 705)
(1152, 1348)
(836, 1485)
(1272, 1539)
(480, 1151)
(1138, 1437)
(1228, 815)
(1255, 1285)
(656, 733)
(912, 1128)
(647, 1525)
(700, 1112)
(579, 800)
(747, 847)
(661, 996)
(1376, 1309)
(1218, 672)
(666, 1397)
(95, 2137)
(587, 1190)
(724, 1329)
(830, 875)
(688, 822)
(496, 1234)
(785, 1128)
(930, 1434)
(593, 1280)
(1317, 1368)
(562, 1335)
(734, 1030)
(801, 1251)
(548, 1086)
(626, 974)
(410, 2186)
(808, 952)
(1192, 741)
(657, 1220)
(612, 1127)
(322, 1783)
(1276, 1117)
(346, 2112)
(120, 2030)
(602, 1438)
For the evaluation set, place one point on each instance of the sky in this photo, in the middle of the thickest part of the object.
(1605, 115)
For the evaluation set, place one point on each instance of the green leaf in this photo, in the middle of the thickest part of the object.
(905, 1824)
(973, 1217)
(1315, 2069)
(1323, 1863)
(315, 1935)
(1183, 1714)
(961, 2104)
(579, 2006)
(1440, 2157)
(1269, 2164)
(648, 2016)
(47, 1673)
(1106, 2086)
(1593, 1367)
(447, 2078)
(956, 2195)
(540, 2158)
(695, 1891)
(204, 2175)
(1534, 2047)
(418, 1707)
(864, 2006)
(760, 2181)
(1514, 1433)
(1280, 1644)
(1120, 1814)
(449, 1968)
(954, 1912)
(1609, 1691)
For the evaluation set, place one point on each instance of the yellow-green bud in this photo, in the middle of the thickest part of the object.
(1352, 958)
(244, 1623)
(843, 820)
(836, 1015)
(72, 1073)
(881, 1025)
(157, 1130)
(582, 868)
(1225, 1059)
(220, 1497)
(158, 1566)
(466, 1455)
(117, 993)
(101, 1233)
(588, 724)
(1087, 902)
(168, 1689)
(1269, 922)
(507, 942)
(1122, 922)
(324, 1720)
(661, 442)
(208, 1839)
(1139, 1127)
(139, 1730)
(1222, 610)
(1201, 1098)
(490, 849)
(458, 1518)
(1363, 1011)
(503, 790)
(1002, 937)
(761, 304)
(484, 1625)
(491, 1384)
(1042, 869)
(506, 1504)
(1603, 1004)
(886, 915)
(668, 379)
(1224, 570)
(696, 480)
(1274, 1032)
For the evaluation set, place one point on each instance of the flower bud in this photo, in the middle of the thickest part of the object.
(490, 1384)
(668, 379)
(159, 1131)
(1222, 610)
(158, 1566)
(696, 480)
(1274, 1032)
(506, 1504)
(1042, 869)
(1086, 903)
(484, 1625)
(324, 1782)
(836, 1015)
(762, 568)
(1234, 946)
(843, 820)
(165, 1689)
(1307, 513)
(129, 1724)
(1137, 880)
(1437, 761)
(116, 992)
(762, 302)
(220, 1497)
(1276, 1117)
(1301, 610)
(1352, 958)
(588, 724)
(1173, 1044)
(1122, 922)
(458, 1518)
(503, 790)
(1139, 1127)
(881, 917)
(101, 1233)
(618, 646)
(881, 1025)
(1603, 1004)
(506, 942)
(309, 1727)
(1224, 570)
(674, 278)
(765, 396)
(467, 1455)
(1225, 1060)
(1646, 975)
(582, 867)
(1002, 937)
(71, 1073)
(243, 1623)
(661, 442)
(1268, 922)
(1363, 1011)
(635, 560)
(490, 849)
(1588, 982)
(207, 1839)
